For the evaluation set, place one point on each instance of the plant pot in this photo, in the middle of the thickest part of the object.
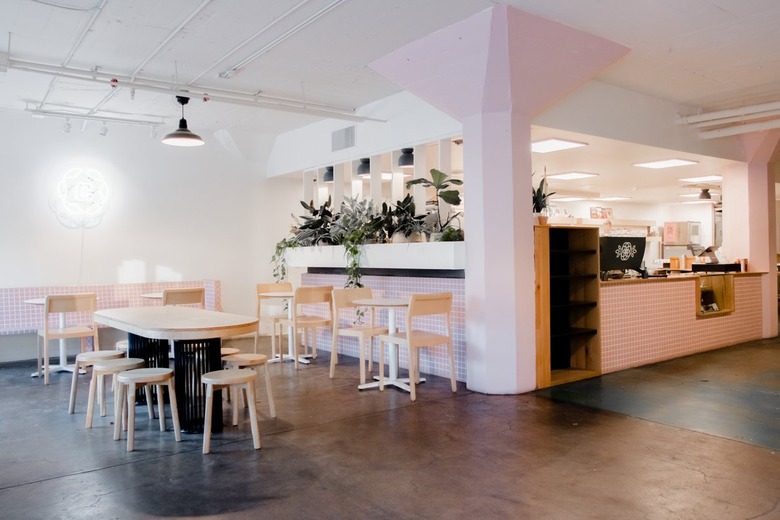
(541, 220)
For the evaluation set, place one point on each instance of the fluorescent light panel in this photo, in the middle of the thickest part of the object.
(611, 199)
(666, 163)
(568, 199)
(706, 178)
(554, 145)
(570, 176)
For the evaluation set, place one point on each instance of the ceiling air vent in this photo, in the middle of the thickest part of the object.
(344, 138)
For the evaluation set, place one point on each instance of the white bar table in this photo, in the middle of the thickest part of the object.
(197, 336)
(391, 304)
(63, 366)
(290, 356)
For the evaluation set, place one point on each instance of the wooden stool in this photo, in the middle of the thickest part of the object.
(231, 379)
(84, 360)
(122, 345)
(127, 383)
(248, 361)
(101, 369)
(228, 351)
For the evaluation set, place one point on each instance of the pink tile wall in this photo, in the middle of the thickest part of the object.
(17, 317)
(644, 323)
(432, 361)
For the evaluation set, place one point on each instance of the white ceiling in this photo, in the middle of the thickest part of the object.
(312, 55)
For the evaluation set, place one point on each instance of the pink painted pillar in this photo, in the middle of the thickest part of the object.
(760, 209)
(494, 72)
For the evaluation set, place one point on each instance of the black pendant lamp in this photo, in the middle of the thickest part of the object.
(328, 175)
(182, 136)
(705, 194)
(406, 159)
(364, 168)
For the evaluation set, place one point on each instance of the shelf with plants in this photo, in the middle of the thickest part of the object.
(567, 304)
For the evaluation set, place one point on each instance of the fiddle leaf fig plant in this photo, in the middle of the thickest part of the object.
(540, 196)
(441, 183)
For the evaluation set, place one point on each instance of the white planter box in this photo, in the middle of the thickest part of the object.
(424, 255)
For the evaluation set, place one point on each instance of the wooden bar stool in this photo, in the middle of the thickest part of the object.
(83, 361)
(100, 370)
(127, 382)
(248, 361)
(238, 379)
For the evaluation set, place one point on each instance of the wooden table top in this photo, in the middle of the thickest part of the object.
(176, 322)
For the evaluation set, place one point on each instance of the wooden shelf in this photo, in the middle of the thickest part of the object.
(568, 344)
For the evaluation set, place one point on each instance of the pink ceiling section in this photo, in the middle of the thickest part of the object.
(496, 60)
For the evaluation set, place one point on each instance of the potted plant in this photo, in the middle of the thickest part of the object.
(315, 229)
(401, 223)
(539, 197)
(357, 223)
(441, 183)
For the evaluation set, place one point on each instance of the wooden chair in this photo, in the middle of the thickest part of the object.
(184, 296)
(272, 318)
(437, 304)
(364, 331)
(62, 304)
(306, 297)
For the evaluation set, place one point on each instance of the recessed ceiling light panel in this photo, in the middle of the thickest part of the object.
(706, 178)
(554, 145)
(666, 163)
(570, 176)
(567, 199)
(611, 199)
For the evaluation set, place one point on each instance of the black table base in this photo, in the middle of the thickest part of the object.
(192, 358)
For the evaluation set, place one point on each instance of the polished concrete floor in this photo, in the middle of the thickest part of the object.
(689, 439)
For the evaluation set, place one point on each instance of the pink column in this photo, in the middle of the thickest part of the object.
(494, 72)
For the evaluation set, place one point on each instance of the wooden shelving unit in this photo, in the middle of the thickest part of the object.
(567, 304)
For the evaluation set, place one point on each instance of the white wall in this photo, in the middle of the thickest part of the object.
(174, 213)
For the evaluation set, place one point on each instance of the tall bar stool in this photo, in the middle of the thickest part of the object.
(100, 370)
(127, 382)
(85, 360)
(249, 361)
(238, 379)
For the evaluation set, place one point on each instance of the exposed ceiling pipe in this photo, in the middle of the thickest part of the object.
(305, 23)
(91, 117)
(246, 41)
(218, 95)
(152, 54)
(740, 129)
(721, 114)
(75, 47)
(736, 119)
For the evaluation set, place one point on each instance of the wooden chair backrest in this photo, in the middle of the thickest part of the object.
(56, 303)
(270, 287)
(429, 304)
(184, 296)
(343, 298)
(309, 294)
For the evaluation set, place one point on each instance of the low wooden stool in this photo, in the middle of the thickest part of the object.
(249, 361)
(231, 379)
(127, 382)
(83, 361)
(101, 369)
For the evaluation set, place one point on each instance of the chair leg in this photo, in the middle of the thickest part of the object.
(295, 348)
(119, 408)
(334, 356)
(73, 386)
(253, 413)
(161, 407)
(236, 400)
(255, 348)
(207, 419)
(362, 357)
(91, 398)
(174, 409)
(102, 389)
(450, 351)
(381, 366)
(149, 400)
(314, 343)
(39, 348)
(46, 362)
(413, 361)
(269, 391)
(130, 416)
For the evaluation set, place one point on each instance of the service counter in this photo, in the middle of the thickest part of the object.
(644, 321)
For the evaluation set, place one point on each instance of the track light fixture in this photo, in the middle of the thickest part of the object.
(406, 159)
(182, 136)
